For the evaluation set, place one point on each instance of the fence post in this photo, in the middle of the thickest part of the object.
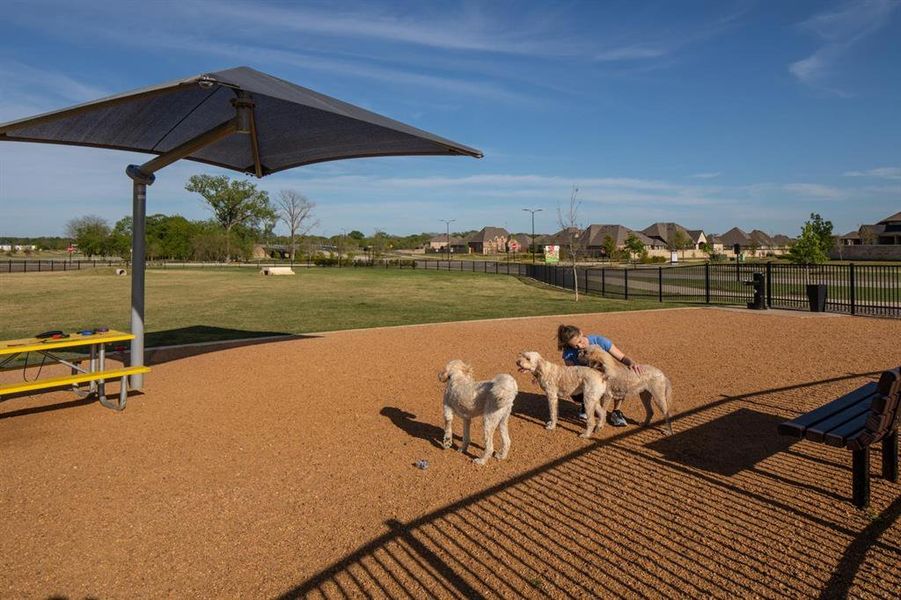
(626, 281)
(660, 284)
(603, 281)
(586, 280)
(707, 282)
(851, 284)
(769, 285)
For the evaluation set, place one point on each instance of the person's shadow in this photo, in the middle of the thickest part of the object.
(407, 421)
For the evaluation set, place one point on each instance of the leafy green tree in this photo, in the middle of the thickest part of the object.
(91, 233)
(634, 246)
(814, 243)
(680, 241)
(356, 235)
(609, 246)
(234, 203)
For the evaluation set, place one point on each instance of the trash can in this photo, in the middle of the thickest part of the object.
(816, 294)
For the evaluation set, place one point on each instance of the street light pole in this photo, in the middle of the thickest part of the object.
(532, 244)
(447, 244)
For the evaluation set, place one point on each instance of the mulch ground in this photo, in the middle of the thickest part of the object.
(287, 469)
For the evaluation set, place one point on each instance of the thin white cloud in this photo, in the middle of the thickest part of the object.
(711, 175)
(878, 173)
(839, 29)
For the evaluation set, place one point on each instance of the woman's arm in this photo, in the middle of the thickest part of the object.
(618, 355)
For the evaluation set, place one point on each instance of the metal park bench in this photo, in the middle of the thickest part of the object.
(95, 374)
(855, 421)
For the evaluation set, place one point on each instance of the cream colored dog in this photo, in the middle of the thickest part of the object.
(560, 381)
(622, 381)
(467, 398)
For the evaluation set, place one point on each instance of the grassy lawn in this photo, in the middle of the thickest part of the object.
(193, 305)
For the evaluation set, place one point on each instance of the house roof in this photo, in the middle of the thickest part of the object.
(781, 240)
(595, 235)
(851, 235)
(734, 236)
(664, 231)
(489, 233)
(760, 238)
(895, 218)
(521, 239)
(696, 234)
(562, 237)
(441, 239)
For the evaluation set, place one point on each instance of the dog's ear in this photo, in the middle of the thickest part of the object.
(443, 376)
(467, 370)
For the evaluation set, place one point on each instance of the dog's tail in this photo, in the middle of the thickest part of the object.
(504, 388)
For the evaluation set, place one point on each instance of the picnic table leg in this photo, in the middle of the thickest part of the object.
(93, 367)
(860, 460)
(101, 384)
(890, 456)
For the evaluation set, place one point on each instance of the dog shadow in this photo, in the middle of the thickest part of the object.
(533, 407)
(418, 429)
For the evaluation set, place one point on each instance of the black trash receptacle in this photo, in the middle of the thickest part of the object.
(816, 294)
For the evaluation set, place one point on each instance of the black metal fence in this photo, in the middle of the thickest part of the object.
(873, 290)
(33, 265)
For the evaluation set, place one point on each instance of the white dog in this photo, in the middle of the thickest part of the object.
(467, 398)
(562, 382)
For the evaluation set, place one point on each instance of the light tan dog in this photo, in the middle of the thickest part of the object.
(622, 381)
(467, 398)
(560, 381)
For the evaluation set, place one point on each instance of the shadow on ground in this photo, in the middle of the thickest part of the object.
(600, 521)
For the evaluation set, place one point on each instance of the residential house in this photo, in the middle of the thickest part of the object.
(595, 237)
(518, 243)
(667, 232)
(490, 240)
(732, 237)
(439, 243)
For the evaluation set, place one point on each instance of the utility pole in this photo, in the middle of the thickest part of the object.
(447, 244)
(532, 244)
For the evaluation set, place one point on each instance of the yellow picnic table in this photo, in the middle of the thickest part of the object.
(95, 373)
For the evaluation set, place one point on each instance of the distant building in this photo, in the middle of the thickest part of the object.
(439, 243)
(886, 232)
(665, 233)
(490, 240)
(518, 243)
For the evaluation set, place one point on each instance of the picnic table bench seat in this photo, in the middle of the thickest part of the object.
(855, 421)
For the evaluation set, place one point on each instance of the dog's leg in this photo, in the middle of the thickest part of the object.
(602, 416)
(505, 437)
(489, 423)
(665, 403)
(552, 409)
(592, 405)
(448, 441)
(647, 396)
(465, 445)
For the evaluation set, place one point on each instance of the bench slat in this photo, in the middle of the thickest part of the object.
(798, 426)
(818, 432)
(838, 437)
(40, 384)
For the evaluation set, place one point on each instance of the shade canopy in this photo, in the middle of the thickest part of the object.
(289, 125)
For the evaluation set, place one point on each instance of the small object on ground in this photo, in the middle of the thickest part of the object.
(121, 272)
(583, 416)
(277, 271)
(617, 419)
(422, 464)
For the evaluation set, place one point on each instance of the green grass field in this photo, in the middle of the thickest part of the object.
(193, 305)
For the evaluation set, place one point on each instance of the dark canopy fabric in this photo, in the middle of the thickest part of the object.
(294, 125)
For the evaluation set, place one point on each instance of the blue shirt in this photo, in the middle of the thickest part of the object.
(572, 354)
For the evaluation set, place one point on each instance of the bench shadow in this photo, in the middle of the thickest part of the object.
(158, 344)
(726, 445)
(34, 410)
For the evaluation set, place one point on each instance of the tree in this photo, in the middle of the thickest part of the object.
(609, 247)
(91, 234)
(568, 218)
(356, 235)
(634, 246)
(814, 243)
(680, 241)
(296, 211)
(232, 202)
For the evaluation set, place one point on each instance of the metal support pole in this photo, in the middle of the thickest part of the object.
(138, 214)
(626, 284)
(851, 285)
(707, 282)
(890, 456)
(660, 284)
(860, 460)
(769, 285)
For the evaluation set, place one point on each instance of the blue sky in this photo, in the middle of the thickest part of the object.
(711, 114)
